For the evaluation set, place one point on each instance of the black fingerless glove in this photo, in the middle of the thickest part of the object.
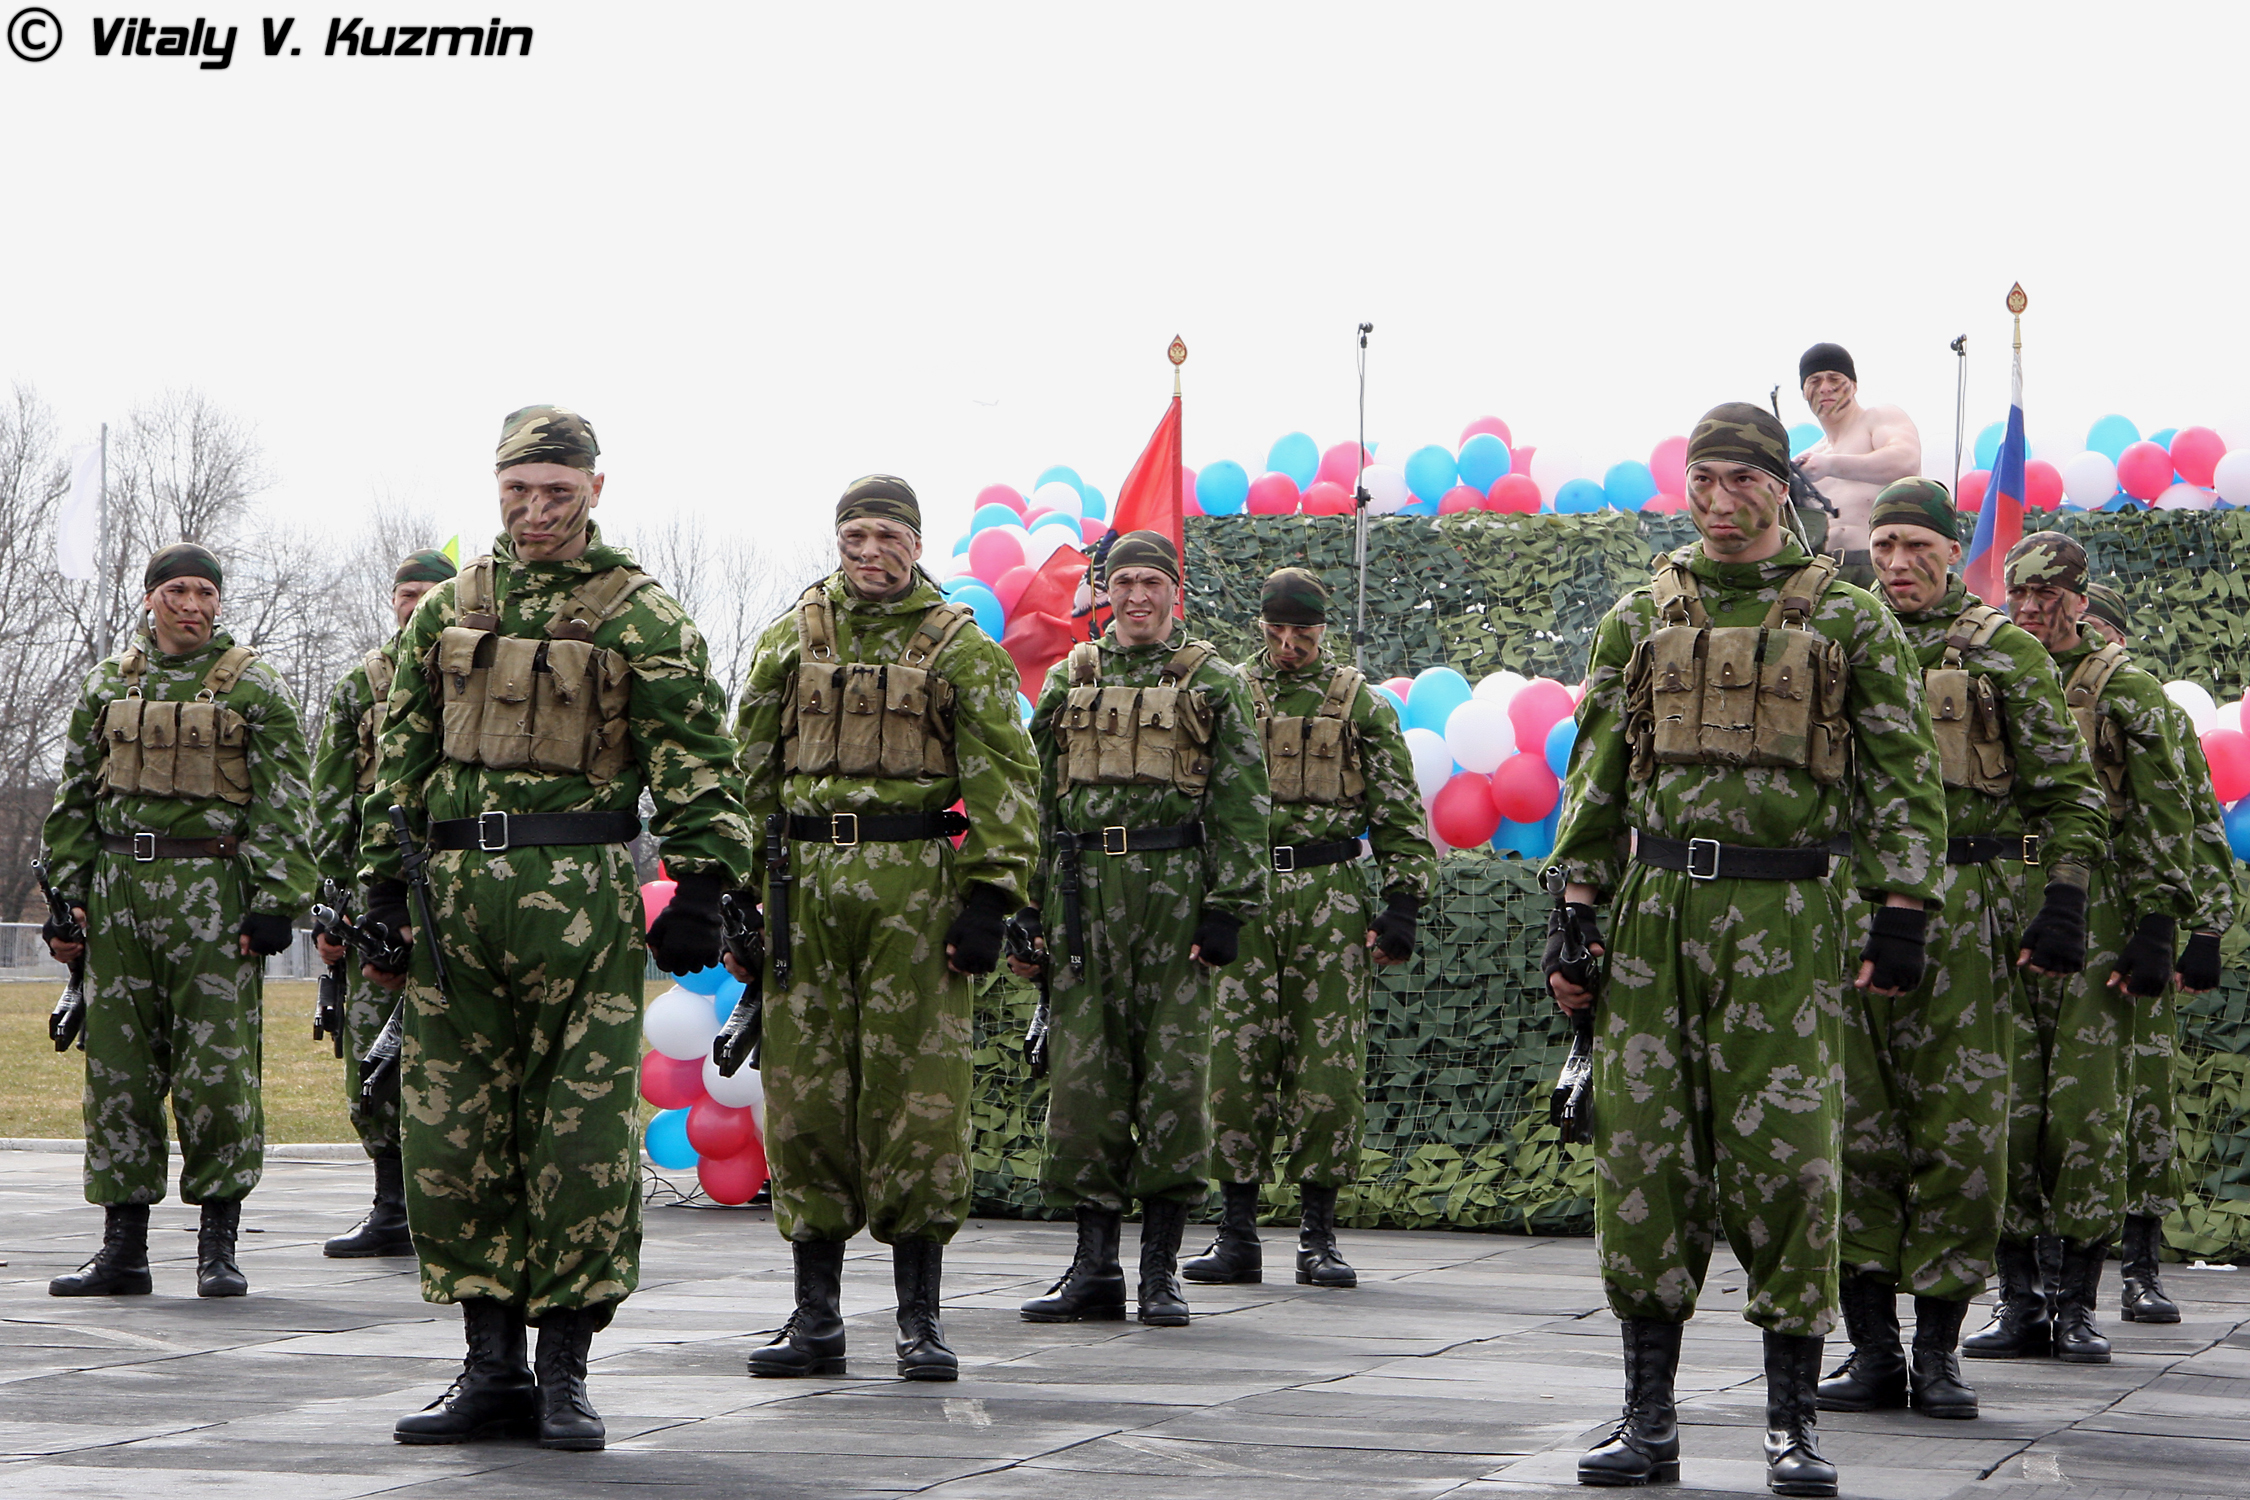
(685, 937)
(386, 913)
(2199, 962)
(2057, 934)
(1218, 937)
(1394, 925)
(1580, 972)
(976, 934)
(269, 932)
(1895, 947)
(2146, 962)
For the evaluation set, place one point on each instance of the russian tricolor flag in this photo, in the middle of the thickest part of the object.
(2000, 522)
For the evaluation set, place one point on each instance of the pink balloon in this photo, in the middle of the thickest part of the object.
(1009, 586)
(2144, 471)
(733, 1179)
(1460, 498)
(1668, 462)
(1517, 492)
(2042, 485)
(993, 552)
(1272, 495)
(655, 896)
(1340, 465)
(1534, 710)
(1972, 489)
(1325, 497)
(1401, 686)
(1094, 529)
(2196, 452)
(1524, 789)
(1493, 425)
(1035, 515)
(1519, 461)
(716, 1129)
(2228, 752)
(999, 494)
(1664, 505)
(671, 1082)
(1462, 811)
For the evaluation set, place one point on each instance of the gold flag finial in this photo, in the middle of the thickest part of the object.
(2017, 302)
(1178, 355)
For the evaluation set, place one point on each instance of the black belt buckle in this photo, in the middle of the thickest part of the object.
(2031, 849)
(1703, 847)
(1285, 859)
(843, 830)
(1117, 840)
(144, 848)
(492, 832)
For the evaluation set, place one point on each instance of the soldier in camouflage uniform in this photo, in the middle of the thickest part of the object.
(1153, 782)
(1926, 1074)
(872, 707)
(1742, 715)
(177, 834)
(1289, 1029)
(2066, 1157)
(343, 774)
(536, 696)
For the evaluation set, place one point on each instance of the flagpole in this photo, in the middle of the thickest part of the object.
(1360, 498)
(101, 546)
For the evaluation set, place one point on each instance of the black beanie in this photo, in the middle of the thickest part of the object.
(1826, 357)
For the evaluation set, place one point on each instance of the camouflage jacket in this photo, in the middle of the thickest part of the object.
(1892, 805)
(1390, 812)
(2216, 874)
(335, 775)
(2152, 845)
(2055, 796)
(991, 756)
(275, 862)
(676, 723)
(1234, 808)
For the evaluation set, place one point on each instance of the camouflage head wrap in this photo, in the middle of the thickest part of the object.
(1916, 502)
(1738, 432)
(881, 497)
(1294, 597)
(426, 566)
(1143, 549)
(2047, 558)
(181, 560)
(546, 435)
(2106, 604)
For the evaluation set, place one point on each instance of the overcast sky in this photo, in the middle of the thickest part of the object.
(767, 247)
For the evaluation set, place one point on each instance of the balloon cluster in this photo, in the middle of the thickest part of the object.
(715, 1125)
(2182, 468)
(1488, 760)
(2224, 729)
(1000, 567)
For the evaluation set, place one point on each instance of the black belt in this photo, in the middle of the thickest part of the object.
(1288, 857)
(495, 831)
(1708, 859)
(147, 846)
(847, 829)
(1983, 848)
(1121, 840)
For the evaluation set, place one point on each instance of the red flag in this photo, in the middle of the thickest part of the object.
(1041, 629)
(1053, 590)
(1149, 499)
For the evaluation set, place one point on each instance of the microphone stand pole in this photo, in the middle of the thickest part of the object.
(1360, 499)
(1960, 347)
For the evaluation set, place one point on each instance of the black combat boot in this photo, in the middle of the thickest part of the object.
(2077, 1340)
(1319, 1262)
(2050, 1272)
(1793, 1462)
(1163, 1299)
(1873, 1376)
(567, 1418)
(812, 1341)
(2145, 1301)
(1644, 1446)
(1093, 1289)
(216, 1274)
(1936, 1377)
(495, 1395)
(916, 1268)
(120, 1267)
(2020, 1327)
(1236, 1255)
(383, 1231)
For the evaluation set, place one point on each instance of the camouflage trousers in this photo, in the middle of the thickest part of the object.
(518, 1091)
(2066, 1156)
(1926, 1099)
(866, 1055)
(1130, 1045)
(1289, 1034)
(1718, 1084)
(2151, 1185)
(173, 1012)
(366, 1007)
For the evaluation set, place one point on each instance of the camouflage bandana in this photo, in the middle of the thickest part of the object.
(1143, 549)
(426, 566)
(547, 435)
(2107, 605)
(1917, 502)
(1294, 597)
(1739, 433)
(181, 560)
(881, 497)
(2047, 559)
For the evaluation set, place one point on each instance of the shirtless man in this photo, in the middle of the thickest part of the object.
(1862, 448)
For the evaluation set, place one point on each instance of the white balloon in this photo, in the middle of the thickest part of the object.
(2231, 716)
(2089, 479)
(1499, 686)
(2232, 477)
(2185, 497)
(2198, 704)
(1047, 540)
(1059, 498)
(1386, 488)
(956, 566)
(745, 1090)
(1433, 763)
(1553, 466)
(681, 1023)
(1479, 735)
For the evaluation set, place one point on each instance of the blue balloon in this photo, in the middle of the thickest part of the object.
(723, 1002)
(2164, 439)
(960, 581)
(1063, 472)
(1222, 489)
(1430, 472)
(1485, 461)
(1803, 436)
(704, 981)
(1296, 455)
(2112, 435)
(1023, 708)
(1417, 508)
(2238, 829)
(1988, 444)
(667, 1141)
(2122, 501)
(993, 515)
(1437, 692)
(985, 604)
(1398, 704)
(1580, 497)
(1096, 503)
(1527, 840)
(1629, 485)
(1559, 740)
(962, 545)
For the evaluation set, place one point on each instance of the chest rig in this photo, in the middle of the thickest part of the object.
(1125, 736)
(1313, 758)
(555, 704)
(1972, 737)
(1770, 694)
(379, 672)
(852, 718)
(2104, 739)
(199, 748)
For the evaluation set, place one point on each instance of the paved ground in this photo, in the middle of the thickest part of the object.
(1465, 1366)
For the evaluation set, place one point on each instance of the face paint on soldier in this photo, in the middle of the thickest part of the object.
(2049, 613)
(404, 596)
(1913, 563)
(1738, 510)
(877, 556)
(1830, 392)
(546, 509)
(1292, 647)
(182, 614)
(1140, 602)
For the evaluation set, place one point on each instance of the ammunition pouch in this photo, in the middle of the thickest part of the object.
(380, 671)
(2105, 741)
(1972, 736)
(1313, 759)
(1123, 736)
(196, 749)
(891, 719)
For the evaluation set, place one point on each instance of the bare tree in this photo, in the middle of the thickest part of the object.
(37, 658)
(732, 587)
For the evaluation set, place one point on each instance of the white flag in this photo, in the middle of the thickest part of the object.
(79, 526)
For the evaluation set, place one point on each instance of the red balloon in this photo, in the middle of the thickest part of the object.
(993, 552)
(1272, 495)
(655, 896)
(2228, 751)
(1325, 497)
(1517, 492)
(1462, 811)
(1524, 790)
(1664, 505)
(1010, 586)
(1668, 462)
(1340, 465)
(1460, 498)
(999, 494)
(1493, 425)
(2042, 485)
(1972, 489)
(2196, 452)
(733, 1179)
(2144, 471)
(1534, 710)
(716, 1129)
(1401, 686)
(671, 1082)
